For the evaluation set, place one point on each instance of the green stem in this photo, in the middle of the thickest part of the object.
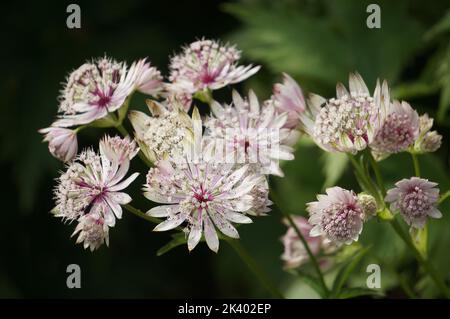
(444, 197)
(243, 254)
(254, 267)
(416, 164)
(423, 261)
(141, 214)
(141, 155)
(367, 183)
(377, 172)
(308, 250)
(311, 256)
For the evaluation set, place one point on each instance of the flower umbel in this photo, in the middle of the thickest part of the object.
(250, 133)
(398, 131)
(102, 86)
(338, 216)
(91, 186)
(62, 142)
(295, 254)
(349, 122)
(207, 64)
(288, 97)
(415, 199)
(201, 192)
(427, 141)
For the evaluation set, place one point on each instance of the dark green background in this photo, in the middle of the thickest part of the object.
(318, 42)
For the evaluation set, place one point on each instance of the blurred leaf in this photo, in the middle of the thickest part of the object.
(358, 292)
(444, 80)
(312, 282)
(442, 26)
(346, 270)
(334, 165)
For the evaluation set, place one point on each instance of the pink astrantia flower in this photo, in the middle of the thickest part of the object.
(207, 64)
(102, 86)
(250, 133)
(92, 186)
(62, 142)
(349, 122)
(415, 199)
(288, 97)
(399, 130)
(202, 193)
(337, 215)
(92, 231)
(295, 254)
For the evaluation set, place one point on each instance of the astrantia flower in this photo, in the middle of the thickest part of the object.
(415, 199)
(207, 64)
(102, 86)
(117, 149)
(160, 136)
(295, 254)
(250, 133)
(288, 97)
(202, 193)
(427, 141)
(399, 130)
(349, 122)
(62, 142)
(92, 185)
(92, 231)
(337, 215)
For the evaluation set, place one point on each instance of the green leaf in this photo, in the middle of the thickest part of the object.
(444, 80)
(358, 292)
(312, 282)
(334, 166)
(419, 238)
(442, 26)
(346, 270)
(177, 240)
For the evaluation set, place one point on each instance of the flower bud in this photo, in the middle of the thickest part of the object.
(62, 142)
(368, 204)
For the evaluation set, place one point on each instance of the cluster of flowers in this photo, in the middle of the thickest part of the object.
(351, 122)
(206, 175)
(209, 174)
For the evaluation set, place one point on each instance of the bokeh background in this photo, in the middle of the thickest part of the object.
(317, 42)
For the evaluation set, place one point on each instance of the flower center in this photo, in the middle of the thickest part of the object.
(415, 203)
(201, 198)
(341, 221)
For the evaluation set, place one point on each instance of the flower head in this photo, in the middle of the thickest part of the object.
(102, 86)
(92, 231)
(202, 193)
(415, 199)
(288, 97)
(398, 131)
(207, 64)
(118, 149)
(338, 216)
(62, 142)
(427, 141)
(295, 254)
(249, 133)
(349, 122)
(92, 185)
(161, 136)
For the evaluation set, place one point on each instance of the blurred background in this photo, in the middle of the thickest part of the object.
(317, 42)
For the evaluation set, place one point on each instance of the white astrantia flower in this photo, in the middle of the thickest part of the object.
(246, 132)
(416, 200)
(398, 131)
(92, 186)
(288, 97)
(102, 86)
(208, 64)
(201, 192)
(161, 135)
(349, 122)
(338, 216)
(427, 141)
(62, 142)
